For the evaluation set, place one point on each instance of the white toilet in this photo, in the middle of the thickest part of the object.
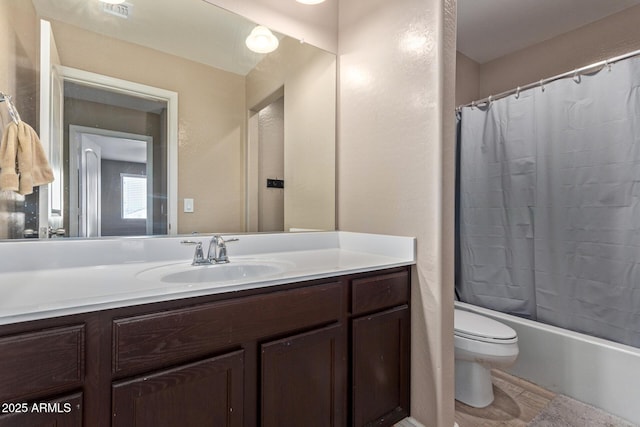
(481, 344)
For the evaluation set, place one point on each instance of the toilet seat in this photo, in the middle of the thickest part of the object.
(480, 328)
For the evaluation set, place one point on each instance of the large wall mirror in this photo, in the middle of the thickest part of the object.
(159, 120)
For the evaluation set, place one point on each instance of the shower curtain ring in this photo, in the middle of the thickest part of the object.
(518, 92)
(473, 104)
(542, 84)
(607, 64)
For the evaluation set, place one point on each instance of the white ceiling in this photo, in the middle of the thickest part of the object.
(120, 149)
(202, 32)
(192, 29)
(489, 29)
(317, 24)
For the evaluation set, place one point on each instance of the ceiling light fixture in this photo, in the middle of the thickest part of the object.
(262, 40)
(113, 1)
(310, 1)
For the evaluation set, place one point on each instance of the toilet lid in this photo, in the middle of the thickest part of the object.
(481, 328)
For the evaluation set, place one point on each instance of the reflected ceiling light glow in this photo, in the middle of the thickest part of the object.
(113, 1)
(414, 42)
(262, 40)
(310, 1)
(359, 77)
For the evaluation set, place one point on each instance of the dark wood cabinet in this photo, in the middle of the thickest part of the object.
(62, 412)
(380, 367)
(303, 380)
(380, 353)
(205, 393)
(34, 367)
(42, 362)
(329, 352)
(147, 341)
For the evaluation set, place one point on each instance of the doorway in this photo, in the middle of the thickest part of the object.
(265, 164)
(112, 192)
(118, 134)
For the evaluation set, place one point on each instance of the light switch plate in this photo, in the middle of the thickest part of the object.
(188, 205)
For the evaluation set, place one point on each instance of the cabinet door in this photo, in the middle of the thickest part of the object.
(380, 364)
(205, 393)
(303, 380)
(62, 412)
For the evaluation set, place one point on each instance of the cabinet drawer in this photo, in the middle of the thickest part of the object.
(41, 362)
(379, 292)
(148, 341)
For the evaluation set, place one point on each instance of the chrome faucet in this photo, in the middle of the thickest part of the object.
(218, 250)
(217, 253)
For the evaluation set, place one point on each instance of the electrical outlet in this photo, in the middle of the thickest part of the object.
(188, 205)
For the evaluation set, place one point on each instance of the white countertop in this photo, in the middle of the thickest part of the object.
(70, 277)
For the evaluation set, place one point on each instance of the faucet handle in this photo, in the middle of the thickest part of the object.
(198, 255)
(189, 242)
(222, 257)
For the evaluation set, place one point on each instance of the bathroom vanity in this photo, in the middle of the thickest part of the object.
(326, 345)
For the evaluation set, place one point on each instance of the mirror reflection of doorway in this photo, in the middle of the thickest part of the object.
(116, 148)
(110, 195)
(265, 161)
(271, 166)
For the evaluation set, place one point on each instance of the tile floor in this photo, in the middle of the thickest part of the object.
(516, 403)
(519, 402)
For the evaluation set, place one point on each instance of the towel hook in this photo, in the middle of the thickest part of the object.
(13, 112)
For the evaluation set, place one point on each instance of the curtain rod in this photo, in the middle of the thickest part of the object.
(575, 73)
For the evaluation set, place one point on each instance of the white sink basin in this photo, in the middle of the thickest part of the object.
(216, 273)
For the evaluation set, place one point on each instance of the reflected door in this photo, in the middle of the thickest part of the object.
(50, 212)
(90, 188)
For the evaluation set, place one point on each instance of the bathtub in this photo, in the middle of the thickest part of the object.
(593, 370)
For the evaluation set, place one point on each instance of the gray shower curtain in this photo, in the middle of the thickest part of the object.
(549, 213)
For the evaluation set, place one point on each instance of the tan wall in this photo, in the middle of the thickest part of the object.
(19, 58)
(309, 80)
(211, 114)
(395, 164)
(611, 36)
(467, 79)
